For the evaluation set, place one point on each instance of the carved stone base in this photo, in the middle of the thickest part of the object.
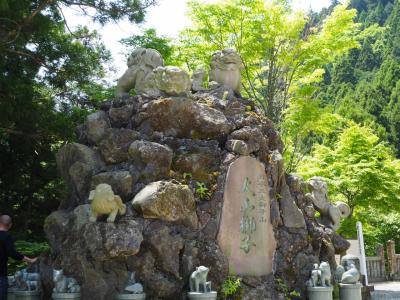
(350, 291)
(320, 293)
(27, 295)
(130, 296)
(203, 296)
(70, 296)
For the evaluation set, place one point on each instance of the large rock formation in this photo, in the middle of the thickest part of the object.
(158, 154)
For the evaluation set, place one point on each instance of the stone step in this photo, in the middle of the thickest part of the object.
(385, 295)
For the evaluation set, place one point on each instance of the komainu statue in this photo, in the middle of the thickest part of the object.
(198, 280)
(104, 202)
(141, 64)
(25, 281)
(330, 213)
(64, 284)
(225, 68)
(320, 275)
(347, 272)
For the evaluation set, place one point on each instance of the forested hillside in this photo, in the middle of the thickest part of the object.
(364, 86)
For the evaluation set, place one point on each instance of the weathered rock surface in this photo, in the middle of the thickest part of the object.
(121, 181)
(291, 214)
(115, 144)
(158, 151)
(167, 248)
(167, 201)
(105, 240)
(77, 163)
(152, 159)
(96, 125)
(120, 116)
(184, 118)
(238, 147)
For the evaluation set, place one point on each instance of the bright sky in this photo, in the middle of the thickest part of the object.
(168, 18)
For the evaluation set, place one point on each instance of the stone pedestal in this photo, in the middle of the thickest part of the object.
(203, 296)
(70, 296)
(27, 295)
(131, 296)
(320, 293)
(350, 291)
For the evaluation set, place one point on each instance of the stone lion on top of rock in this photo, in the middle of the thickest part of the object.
(141, 64)
(105, 202)
(225, 68)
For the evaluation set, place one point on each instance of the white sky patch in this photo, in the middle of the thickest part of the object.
(168, 18)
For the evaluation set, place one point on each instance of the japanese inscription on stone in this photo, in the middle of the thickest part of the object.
(245, 234)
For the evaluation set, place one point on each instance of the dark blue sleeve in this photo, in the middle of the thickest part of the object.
(10, 248)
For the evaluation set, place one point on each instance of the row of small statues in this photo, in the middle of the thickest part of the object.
(26, 281)
(346, 273)
(147, 75)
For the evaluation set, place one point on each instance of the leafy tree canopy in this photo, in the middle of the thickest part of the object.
(282, 58)
(360, 170)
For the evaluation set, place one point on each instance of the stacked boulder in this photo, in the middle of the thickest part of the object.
(155, 151)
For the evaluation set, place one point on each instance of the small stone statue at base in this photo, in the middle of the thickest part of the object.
(132, 290)
(200, 288)
(320, 275)
(131, 286)
(319, 285)
(348, 278)
(25, 281)
(347, 272)
(64, 284)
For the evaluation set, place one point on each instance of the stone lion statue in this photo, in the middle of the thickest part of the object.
(64, 284)
(315, 276)
(141, 64)
(331, 214)
(351, 276)
(199, 279)
(104, 202)
(225, 68)
(325, 274)
(320, 275)
(347, 271)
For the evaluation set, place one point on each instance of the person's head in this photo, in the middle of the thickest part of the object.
(5, 222)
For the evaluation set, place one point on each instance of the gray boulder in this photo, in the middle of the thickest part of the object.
(238, 146)
(152, 159)
(291, 214)
(167, 248)
(96, 125)
(120, 116)
(76, 164)
(167, 201)
(121, 182)
(105, 241)
(184, 118)
(115, 144)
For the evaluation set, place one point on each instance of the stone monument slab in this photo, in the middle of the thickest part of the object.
(245, 234)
